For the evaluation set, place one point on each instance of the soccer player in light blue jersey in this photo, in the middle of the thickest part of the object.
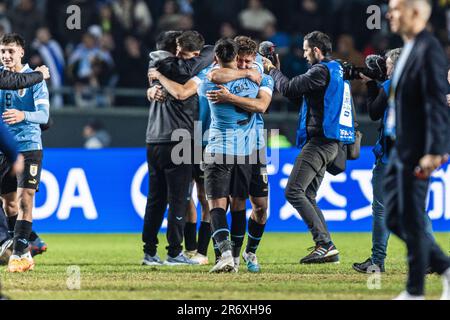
(183, 92)
(248, 60)
(22, 111)
(232, 140)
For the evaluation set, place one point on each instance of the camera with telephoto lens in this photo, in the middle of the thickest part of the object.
(375, 69)
(267, 50)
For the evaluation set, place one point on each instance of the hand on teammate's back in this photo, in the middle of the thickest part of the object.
(44, 70)
(156, 93)
(254, 76)
(18, 165)
(153, 74)
(218, 96)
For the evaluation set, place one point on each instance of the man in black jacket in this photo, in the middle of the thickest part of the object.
(418, 124)
(170, 182)
(319, 147)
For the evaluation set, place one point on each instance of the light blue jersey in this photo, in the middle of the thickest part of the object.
(232, 130)
(34, 102)
(267, 85)
(203, 104)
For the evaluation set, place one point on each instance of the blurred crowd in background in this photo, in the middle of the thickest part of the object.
(110, 51)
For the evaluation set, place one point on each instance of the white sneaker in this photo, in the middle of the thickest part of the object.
(251, 261)
(237, 262)
(21, 263)
(446, 285)
(406, 296)
(225, 263)
(189, 253)
(201, 259)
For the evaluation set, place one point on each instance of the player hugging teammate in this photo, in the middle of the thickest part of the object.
(23, 111)
(232, 94)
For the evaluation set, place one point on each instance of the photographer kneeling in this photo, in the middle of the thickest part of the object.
(325, 121)
(377, 103)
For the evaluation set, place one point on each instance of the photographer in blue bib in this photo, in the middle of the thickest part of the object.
(377, 104)
(325, 123)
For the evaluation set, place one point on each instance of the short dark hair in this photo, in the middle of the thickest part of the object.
(191, 41)
(226, 50)
(320, 40)
(167, 41)
(11, 38)
(246, 46)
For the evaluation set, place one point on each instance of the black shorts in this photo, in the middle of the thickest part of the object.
(223, 180)
(259, 184)
(28, 179)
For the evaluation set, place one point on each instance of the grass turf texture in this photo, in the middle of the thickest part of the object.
(110, 269)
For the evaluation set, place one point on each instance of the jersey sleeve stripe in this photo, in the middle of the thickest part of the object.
(197, 80)
(42, 101)
(266, 89)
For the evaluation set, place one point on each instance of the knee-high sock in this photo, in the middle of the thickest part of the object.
(219, 228)
(204, 236)
(255, 233)
(21, 237)
(190, 236)
(238, 226)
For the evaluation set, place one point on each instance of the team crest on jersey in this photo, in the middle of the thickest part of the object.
(264, 175)
(34, 170)
(21, 92)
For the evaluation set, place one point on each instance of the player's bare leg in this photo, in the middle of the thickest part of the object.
(204, 233)
(190, 231)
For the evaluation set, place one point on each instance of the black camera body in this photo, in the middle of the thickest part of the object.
(267, 50)
(375, 69)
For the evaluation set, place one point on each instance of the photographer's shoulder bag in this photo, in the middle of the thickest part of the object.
(354, 149)
(339, 163)
(346, 151)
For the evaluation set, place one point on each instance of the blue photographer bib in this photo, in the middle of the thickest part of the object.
(380, 147)
(337, 113)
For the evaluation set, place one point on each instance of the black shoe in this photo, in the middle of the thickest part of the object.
(430, 270)
(368, 266)
(322, 254)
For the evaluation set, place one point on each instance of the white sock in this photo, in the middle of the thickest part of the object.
(405, 295)
(226, 254)
(446, 285)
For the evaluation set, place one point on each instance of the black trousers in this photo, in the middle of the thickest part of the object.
(304, 181)
(405, 200)
(169, 184)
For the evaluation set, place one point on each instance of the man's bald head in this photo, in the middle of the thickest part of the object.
(422, 6)
(409, 17)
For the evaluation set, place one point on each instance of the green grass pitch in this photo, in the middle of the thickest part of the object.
(110, 269)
